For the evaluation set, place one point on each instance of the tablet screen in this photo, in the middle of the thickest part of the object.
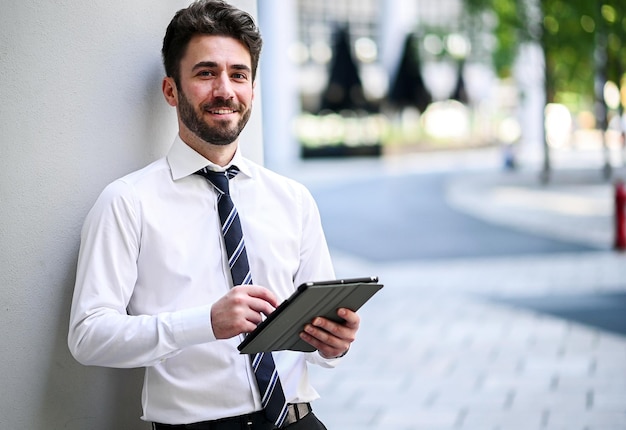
(281, 330)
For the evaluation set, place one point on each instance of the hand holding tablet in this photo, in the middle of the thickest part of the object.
(281, 330)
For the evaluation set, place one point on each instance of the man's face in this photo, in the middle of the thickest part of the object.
(216, 90)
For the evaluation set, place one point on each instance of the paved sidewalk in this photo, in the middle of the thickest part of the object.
(576, 205)
(434, 353)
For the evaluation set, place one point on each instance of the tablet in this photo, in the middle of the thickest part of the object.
(281, 329)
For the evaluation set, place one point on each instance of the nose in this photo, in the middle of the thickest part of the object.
(222, 87)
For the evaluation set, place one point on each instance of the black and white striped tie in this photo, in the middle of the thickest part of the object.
(272, 396)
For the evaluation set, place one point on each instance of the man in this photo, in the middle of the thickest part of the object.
(154, 286)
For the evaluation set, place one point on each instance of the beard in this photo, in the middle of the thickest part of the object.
(222, 132)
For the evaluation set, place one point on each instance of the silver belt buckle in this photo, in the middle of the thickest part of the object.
(295, 412)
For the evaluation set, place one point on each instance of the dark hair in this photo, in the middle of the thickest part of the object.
(212, 17)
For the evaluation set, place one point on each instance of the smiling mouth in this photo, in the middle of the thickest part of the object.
(223, 107)
(222, 111)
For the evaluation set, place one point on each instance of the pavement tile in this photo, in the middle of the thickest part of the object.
(419, 418)
(436, 352)
(586, 419)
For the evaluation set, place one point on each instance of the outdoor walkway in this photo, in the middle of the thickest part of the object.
(436, 351)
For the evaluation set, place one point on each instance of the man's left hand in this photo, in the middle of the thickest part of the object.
(330, 338)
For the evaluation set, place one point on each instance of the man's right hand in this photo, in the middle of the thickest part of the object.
(239, 311)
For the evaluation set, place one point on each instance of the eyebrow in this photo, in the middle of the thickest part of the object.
(213, 64)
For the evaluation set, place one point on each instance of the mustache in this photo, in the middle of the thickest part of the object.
(219, 104)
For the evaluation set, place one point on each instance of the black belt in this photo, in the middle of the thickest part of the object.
(254, 420)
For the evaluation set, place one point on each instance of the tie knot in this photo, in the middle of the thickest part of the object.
(219, 179)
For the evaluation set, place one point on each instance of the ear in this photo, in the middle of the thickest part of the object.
(170, 92)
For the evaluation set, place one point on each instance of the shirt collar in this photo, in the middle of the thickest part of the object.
(185, 161)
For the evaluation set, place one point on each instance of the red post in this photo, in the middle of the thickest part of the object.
(620, 215)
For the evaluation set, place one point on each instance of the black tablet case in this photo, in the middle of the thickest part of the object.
(281, 329)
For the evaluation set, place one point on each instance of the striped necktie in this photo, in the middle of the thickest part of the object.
(272, 396)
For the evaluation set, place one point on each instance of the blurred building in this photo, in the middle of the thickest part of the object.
(330, 78)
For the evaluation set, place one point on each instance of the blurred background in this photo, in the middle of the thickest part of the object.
(470, 153)
(390, 77)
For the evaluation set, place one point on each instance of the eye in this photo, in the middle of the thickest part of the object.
(205, 73)
(240, 76)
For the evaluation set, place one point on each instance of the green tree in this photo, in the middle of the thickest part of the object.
(584, 45)
(580, 38)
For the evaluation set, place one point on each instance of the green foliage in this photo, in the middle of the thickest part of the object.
(580, 38)
(568, 40)
(510, 28)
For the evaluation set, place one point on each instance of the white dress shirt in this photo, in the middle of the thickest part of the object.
(151, 264)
